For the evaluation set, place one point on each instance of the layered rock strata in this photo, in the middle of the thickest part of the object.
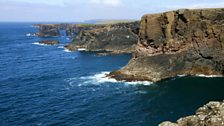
(47, 30)
(116, 38)
(182, 42)
(52, 30)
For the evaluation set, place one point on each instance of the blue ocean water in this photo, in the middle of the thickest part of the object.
(46, 85)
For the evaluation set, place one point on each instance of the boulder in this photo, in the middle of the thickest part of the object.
(211, 114)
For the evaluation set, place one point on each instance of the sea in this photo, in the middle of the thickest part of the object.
(43, 85)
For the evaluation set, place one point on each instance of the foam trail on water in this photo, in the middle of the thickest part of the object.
(66, 50)
(40, 44)
(61, 47)
(201, 75)
(81, 49)
(30, 34)
(101, 78)
(147, 83)
(208, 76)
(182, 75)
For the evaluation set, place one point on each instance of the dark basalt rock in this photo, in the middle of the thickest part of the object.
(49, 42)
(188, 42)
(116, 38)
(52, 30)
(211, 114)
(47, 30)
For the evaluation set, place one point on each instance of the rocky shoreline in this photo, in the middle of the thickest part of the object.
(182, 42)
(211, 114)
(114, 39)
(49, 42)
(165, 45)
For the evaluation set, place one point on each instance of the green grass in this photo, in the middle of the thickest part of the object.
(85, 25)
(113, 21)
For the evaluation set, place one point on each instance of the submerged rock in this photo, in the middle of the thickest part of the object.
(182, 42)
(49, 42)
(211, 114)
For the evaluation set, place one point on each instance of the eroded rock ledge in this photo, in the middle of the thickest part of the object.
(211, 114)
(188, 42)
(49, 42)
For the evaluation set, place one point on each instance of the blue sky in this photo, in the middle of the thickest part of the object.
(80, 10)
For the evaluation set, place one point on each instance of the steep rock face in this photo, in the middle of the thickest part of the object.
(51, 30)
(117, 38)
(211, 114)
(185, 41)
(47, 30)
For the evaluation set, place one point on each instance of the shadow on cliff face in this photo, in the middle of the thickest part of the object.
(170, 100)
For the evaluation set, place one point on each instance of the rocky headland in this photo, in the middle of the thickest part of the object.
(113, 38)
(47, 30)
(211, 114)
(181, 42)
(52, 30)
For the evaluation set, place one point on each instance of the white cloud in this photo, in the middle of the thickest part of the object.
(113, 3)
(208, 5)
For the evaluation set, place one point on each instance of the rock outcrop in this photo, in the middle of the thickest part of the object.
(211, 114)
(49, 42)
(116, 38)
(182, 42)
(47, 30)
(52, 30)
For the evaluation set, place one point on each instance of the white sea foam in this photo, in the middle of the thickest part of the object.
(81, 49)
(66, 50)
(40, 44)
(182, 75)
(29, 35)
(146, 83)
(101, 78)
(61, 47)
(208, 76)
(201, 75)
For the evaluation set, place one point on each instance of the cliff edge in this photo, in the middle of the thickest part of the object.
(181, 42)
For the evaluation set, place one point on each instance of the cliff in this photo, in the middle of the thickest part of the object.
(115, 38)
(47, 30)
(51, 30)
(182, 42)
(211, 114)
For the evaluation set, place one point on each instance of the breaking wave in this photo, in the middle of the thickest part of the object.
(201, 75)
(101, 78)
(40, 44)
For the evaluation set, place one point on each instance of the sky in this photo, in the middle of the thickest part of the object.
(81, 10)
